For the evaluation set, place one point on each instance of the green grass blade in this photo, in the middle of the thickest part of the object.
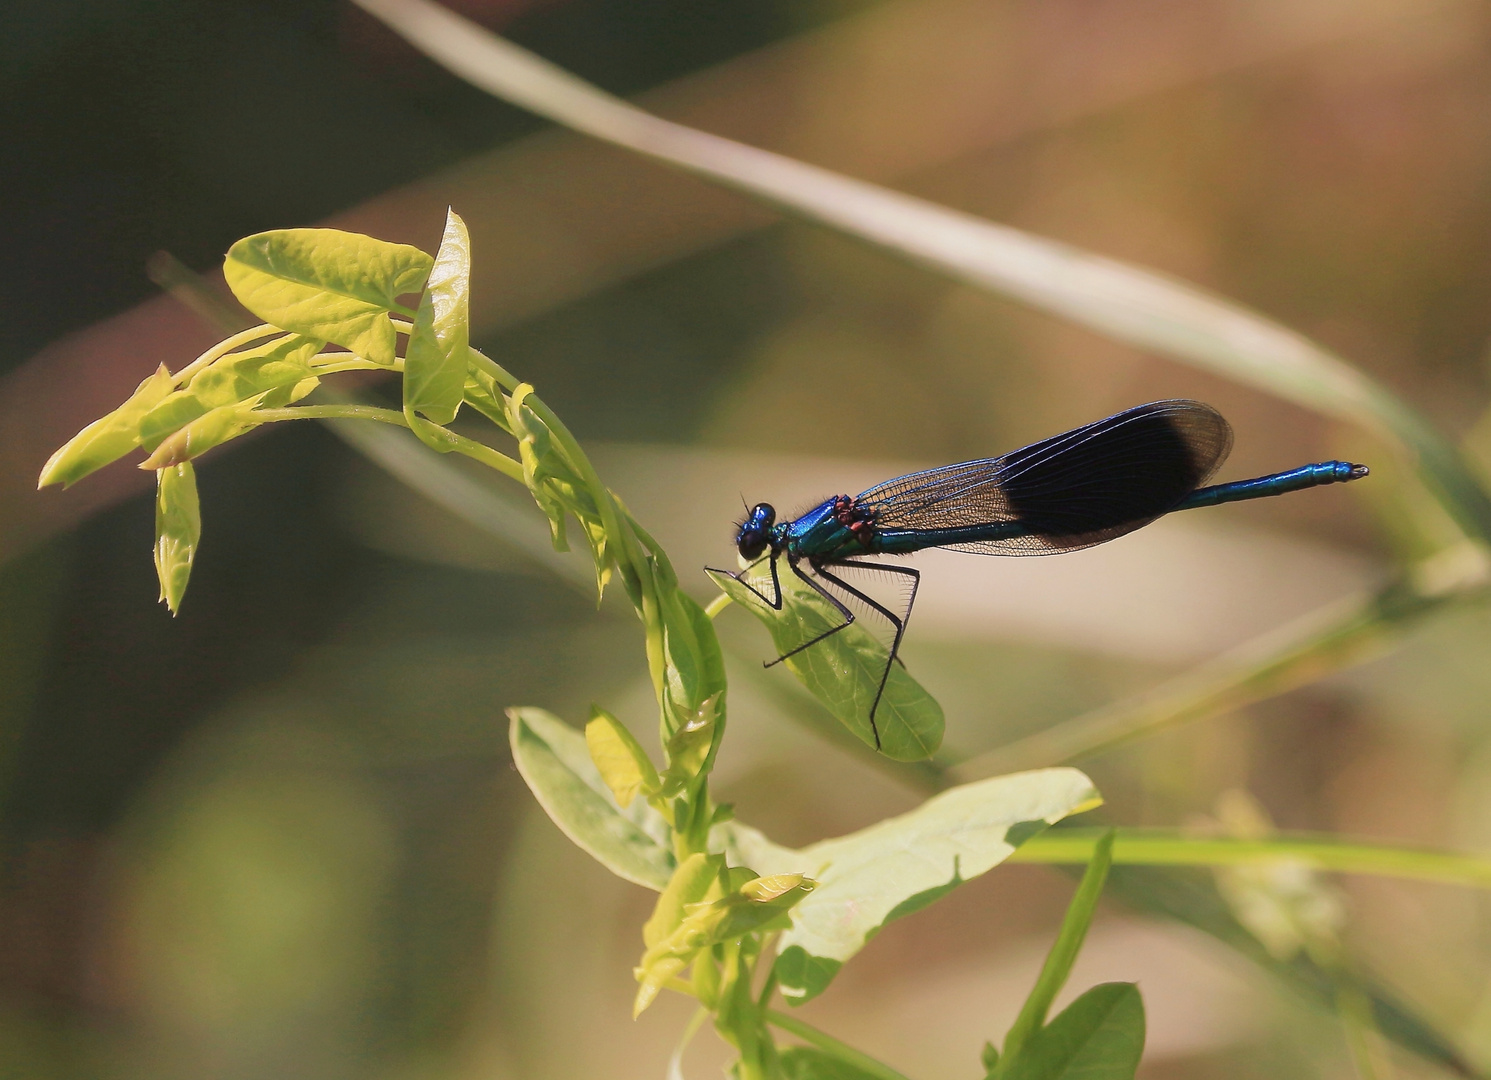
(1169, 847)
(1137, 306)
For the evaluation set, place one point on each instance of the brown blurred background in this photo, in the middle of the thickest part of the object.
(279, 835)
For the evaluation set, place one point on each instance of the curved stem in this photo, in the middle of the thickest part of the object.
(1166, 847)
(459, 443)
(718, 604)
(829, 1045)
(222, 348)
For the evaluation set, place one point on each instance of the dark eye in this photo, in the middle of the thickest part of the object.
(751, 544)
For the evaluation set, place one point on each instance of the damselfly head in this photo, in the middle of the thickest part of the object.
(755, 532)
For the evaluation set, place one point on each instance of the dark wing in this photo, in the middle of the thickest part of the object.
(1069, 491)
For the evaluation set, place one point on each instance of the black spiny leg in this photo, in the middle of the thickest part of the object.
(776, 584)
(899, 623)
(832, 630)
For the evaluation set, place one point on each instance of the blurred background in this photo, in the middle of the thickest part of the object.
(280, 835)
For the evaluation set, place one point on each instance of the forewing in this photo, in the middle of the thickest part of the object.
(1069, 491)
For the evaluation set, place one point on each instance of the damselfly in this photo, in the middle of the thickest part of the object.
(1067, 492)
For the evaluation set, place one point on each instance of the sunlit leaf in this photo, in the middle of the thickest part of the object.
(178, 528)
(207, 431)
(619, 758)
(327, 284)
(282, 364)
(554, 761)
(843, 671)
(435, 361)
(1100, 1036)
(902, 864)
(107, 439)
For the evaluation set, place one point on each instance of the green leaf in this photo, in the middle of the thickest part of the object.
(620, 759)
(1064, 950)
(435, 362)
(810, 1063)
(671, 945)
(696, 667)
(1100, 1036)
(108, 438)
(282, 364)
(178, 527)
(207, 431)
(900, 865)
(553, 759)
(327, 284)
(844, 670)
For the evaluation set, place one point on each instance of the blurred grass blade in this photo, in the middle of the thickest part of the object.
(1293, 655)
(1191, 897)
(1170, 847)
(1140, 307)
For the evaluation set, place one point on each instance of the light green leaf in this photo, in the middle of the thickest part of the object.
(1125, 302)
(108, 438)
(670, 944)
(1064, 950)
(178, 528)
(553, 759)
(868, 878)
(843, 671)
(619, 758)
(327, 284)
(282, 364)
(435, 361)
(1100, 1036)
(696, 667)
(207, 431)
(810, 1063)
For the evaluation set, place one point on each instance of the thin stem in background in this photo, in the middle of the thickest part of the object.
(1169, 847)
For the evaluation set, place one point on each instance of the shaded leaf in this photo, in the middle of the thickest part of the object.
(327, 284)
(108, 438)
(554, 761)
(843, 671)
(1100, 1036)
(178, 528)
(435, 361)
(810, 1063)
(890, 869)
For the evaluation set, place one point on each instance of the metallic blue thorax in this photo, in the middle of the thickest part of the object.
(834, 529)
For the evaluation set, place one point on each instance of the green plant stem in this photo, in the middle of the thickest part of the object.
(828, 1044)
(1063, 952)
(459, 443)
(718, 604)
(1167, 847)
